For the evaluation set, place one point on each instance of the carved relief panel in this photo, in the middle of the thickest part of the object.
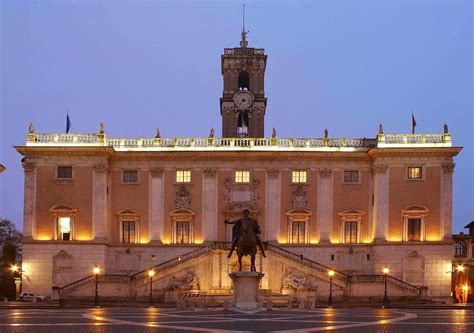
(62, 268)
(239, 196)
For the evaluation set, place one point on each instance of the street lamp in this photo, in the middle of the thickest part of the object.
(385, 298)
(460, 268)
(331, 274)
(96, 274)
(151, 274)
(15, 269)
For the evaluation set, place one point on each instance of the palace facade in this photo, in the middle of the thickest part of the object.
(127, 205)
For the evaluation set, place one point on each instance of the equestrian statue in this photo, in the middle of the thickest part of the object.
(246, 237)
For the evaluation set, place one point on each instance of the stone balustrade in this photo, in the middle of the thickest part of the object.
(269, 144)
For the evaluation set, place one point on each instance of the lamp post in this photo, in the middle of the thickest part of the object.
(96, 274)
(15, 269)
(151, 274)
(385, 297)
(331, 274)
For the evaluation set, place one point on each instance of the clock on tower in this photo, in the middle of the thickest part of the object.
(243, 101)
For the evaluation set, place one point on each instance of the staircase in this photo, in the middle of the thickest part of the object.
(351, 285)
(351, 281)
(136, 278)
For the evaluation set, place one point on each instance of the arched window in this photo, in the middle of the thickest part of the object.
(244, 80)
(459, 249)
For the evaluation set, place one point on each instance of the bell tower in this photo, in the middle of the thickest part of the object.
(243, 101)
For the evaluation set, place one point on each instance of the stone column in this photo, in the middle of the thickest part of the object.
(325, 194)
(272, 205)
(446, 201)
(380, 173)
(156, 202)
(99, 201)
(29, 203)
(209, 205)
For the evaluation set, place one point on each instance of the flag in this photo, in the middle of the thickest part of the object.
(413, 123)
(68, 123)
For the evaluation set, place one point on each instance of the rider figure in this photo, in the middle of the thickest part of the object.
(237, 232)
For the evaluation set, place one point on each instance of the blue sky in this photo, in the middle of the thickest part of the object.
(138, 65)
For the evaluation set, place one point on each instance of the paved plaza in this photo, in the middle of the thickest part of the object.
(172, 320)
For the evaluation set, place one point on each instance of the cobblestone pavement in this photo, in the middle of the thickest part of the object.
(284, 321)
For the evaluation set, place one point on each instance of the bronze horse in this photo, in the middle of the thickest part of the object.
(247, 244)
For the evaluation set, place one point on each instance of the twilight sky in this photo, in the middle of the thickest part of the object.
(138, 65)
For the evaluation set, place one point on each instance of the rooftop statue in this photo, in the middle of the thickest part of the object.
(246, 238)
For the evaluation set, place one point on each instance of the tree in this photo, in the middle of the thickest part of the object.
(10, 246)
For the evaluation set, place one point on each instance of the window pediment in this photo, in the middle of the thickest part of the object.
(182, 212)
(415, 210)
(62, 209)
(351, 213)
(128, 213)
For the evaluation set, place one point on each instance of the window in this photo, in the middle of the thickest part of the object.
(414, 223)
(350, 232)
(350, 226)
(182, 226)
(182, 232)
(414, 173)
(244, 80)
(459, 249)
(298, 234)
(130, 176)
(242, 176)
(128, 232)
(351, 176)
(298, 176)
(128, 226)
(243, 123)
(63, 217)
(65, 172)
(414, 229)
(183, 176)
(64, 228)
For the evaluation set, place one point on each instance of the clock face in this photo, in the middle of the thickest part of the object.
(243, 100)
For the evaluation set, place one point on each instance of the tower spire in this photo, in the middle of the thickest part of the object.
(243, 41)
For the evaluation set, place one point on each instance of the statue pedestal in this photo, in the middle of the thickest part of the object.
(246, 289)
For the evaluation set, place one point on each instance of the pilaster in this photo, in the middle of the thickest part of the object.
(325, 194)
(380, 214)
(99, 201)
(156, 202)
(29, 203)
(209, 205)
(272, 205)
(446, 210)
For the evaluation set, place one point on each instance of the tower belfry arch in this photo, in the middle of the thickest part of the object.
(243, 102)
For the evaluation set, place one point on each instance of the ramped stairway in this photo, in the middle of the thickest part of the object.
(353, 285)
(125, 286)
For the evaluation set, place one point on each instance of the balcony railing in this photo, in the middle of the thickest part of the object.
(262, 144)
